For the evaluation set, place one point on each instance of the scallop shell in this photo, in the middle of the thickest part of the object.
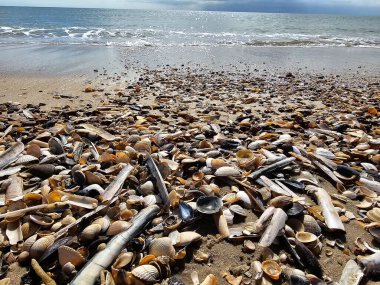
(67, 254)
(185, 238)
(238, 210)
(227, 171)
(91, 232)
(146, 273)
(162, 247)
(118, 227)
(39, 247)
(272, 269)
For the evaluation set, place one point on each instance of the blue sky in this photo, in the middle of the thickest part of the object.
(358, 7)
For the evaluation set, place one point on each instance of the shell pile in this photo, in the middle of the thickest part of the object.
(284, 185)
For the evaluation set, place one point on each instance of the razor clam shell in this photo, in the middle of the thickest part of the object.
(370, 184)
(77, 200)
(330, 214)
(308, 258)
(98, 131)
(25, 159)
(264, 181)
(221, 224)
(11, 154)
(275, 226)
(10, 171)
(14, 232)
(261, 221)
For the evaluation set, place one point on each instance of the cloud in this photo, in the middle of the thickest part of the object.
(298, 6)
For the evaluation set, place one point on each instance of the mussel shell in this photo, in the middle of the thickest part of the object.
(347, 171)
(298, 280)
(295, 185)
(375, 232)
(186, 212)
(56, 146)
(209, 204)
(42, 170)
(295, 210)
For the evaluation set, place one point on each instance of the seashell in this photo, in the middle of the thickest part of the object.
(106, 278)
(238, 210)
(243, 196)
(210, 280)
(78, 200)
(325, 152)
(162, 247)
(13, 232)
(93, 178)
(44, 221)
(151, 200)
(280, 201)
(40, 246)
(56, 146)
(296, 225)
(146, 273)
(69, 269)
(231, 198)
(147, 188)
(185, 238)
(374, 214)
(29, 242)
(104, 222)
(229, 216)
(227, 171)
(67, 254)
(371, 263)
(143, 146)
(198, 176)
(123, 260)
(366, 204)
(311, 225)
(90, 232)
(375, 232)
(34, 150)
(294, 185)
(295, 210)
(25, 159)
(67, 220)
(186, 212)
(308, 239)
(42, 171)
(366, 192)
(249, 246)
(215, 163)
(9, 155)
(172, 222)
(272, 269)
(79, 177)
(118, 227)
(209, 204)
(5, 281)
(15, 189)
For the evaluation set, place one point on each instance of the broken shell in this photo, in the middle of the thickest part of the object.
(295, 210)
(249, 246)
(243, 196)
(172, 222)
(209, 204)
(162, 247)
(69, 269)
(201, 256)
(44, 221)
(67, 254)
(272, 269)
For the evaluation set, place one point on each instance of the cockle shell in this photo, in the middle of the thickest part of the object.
(162, 247)
(146, 273)
(67, 254)
(40, 246)
(90, 232)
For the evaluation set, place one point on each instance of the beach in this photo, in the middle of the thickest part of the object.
(95, 134)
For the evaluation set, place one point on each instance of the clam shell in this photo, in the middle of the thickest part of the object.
(39, 247)
(104, 222)
(172, 222)
(118, 227)
(309, 239)
(243, 196)
(162, 247)
(67, 254)
(272, 269)
(90, 232)
(146, 273)
(229, 216)
(238, 210)
(215, 163)
(227, 171)
(374, 214)
(44, 221)
(375, 232)
(147, 188)
(56, 146)
(34, 150)
(311, 225)
(366, 192)
(209, 204)
(366, 204)
(185, 238)
(123, 260)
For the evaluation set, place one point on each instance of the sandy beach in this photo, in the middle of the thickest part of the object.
(252, 93)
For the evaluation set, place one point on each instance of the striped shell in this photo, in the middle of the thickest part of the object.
(162, 247)
(146, 273)
(311, 225)
(40, 246)
(118, 227)
(67, 254)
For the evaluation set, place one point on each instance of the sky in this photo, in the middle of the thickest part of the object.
(353, 7)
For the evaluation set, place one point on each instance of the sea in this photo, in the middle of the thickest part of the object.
(162, 28)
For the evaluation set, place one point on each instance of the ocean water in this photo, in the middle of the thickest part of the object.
(70, 26)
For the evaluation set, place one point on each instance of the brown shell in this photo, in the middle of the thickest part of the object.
(67, 254)
(90, 232)
(118, 227)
